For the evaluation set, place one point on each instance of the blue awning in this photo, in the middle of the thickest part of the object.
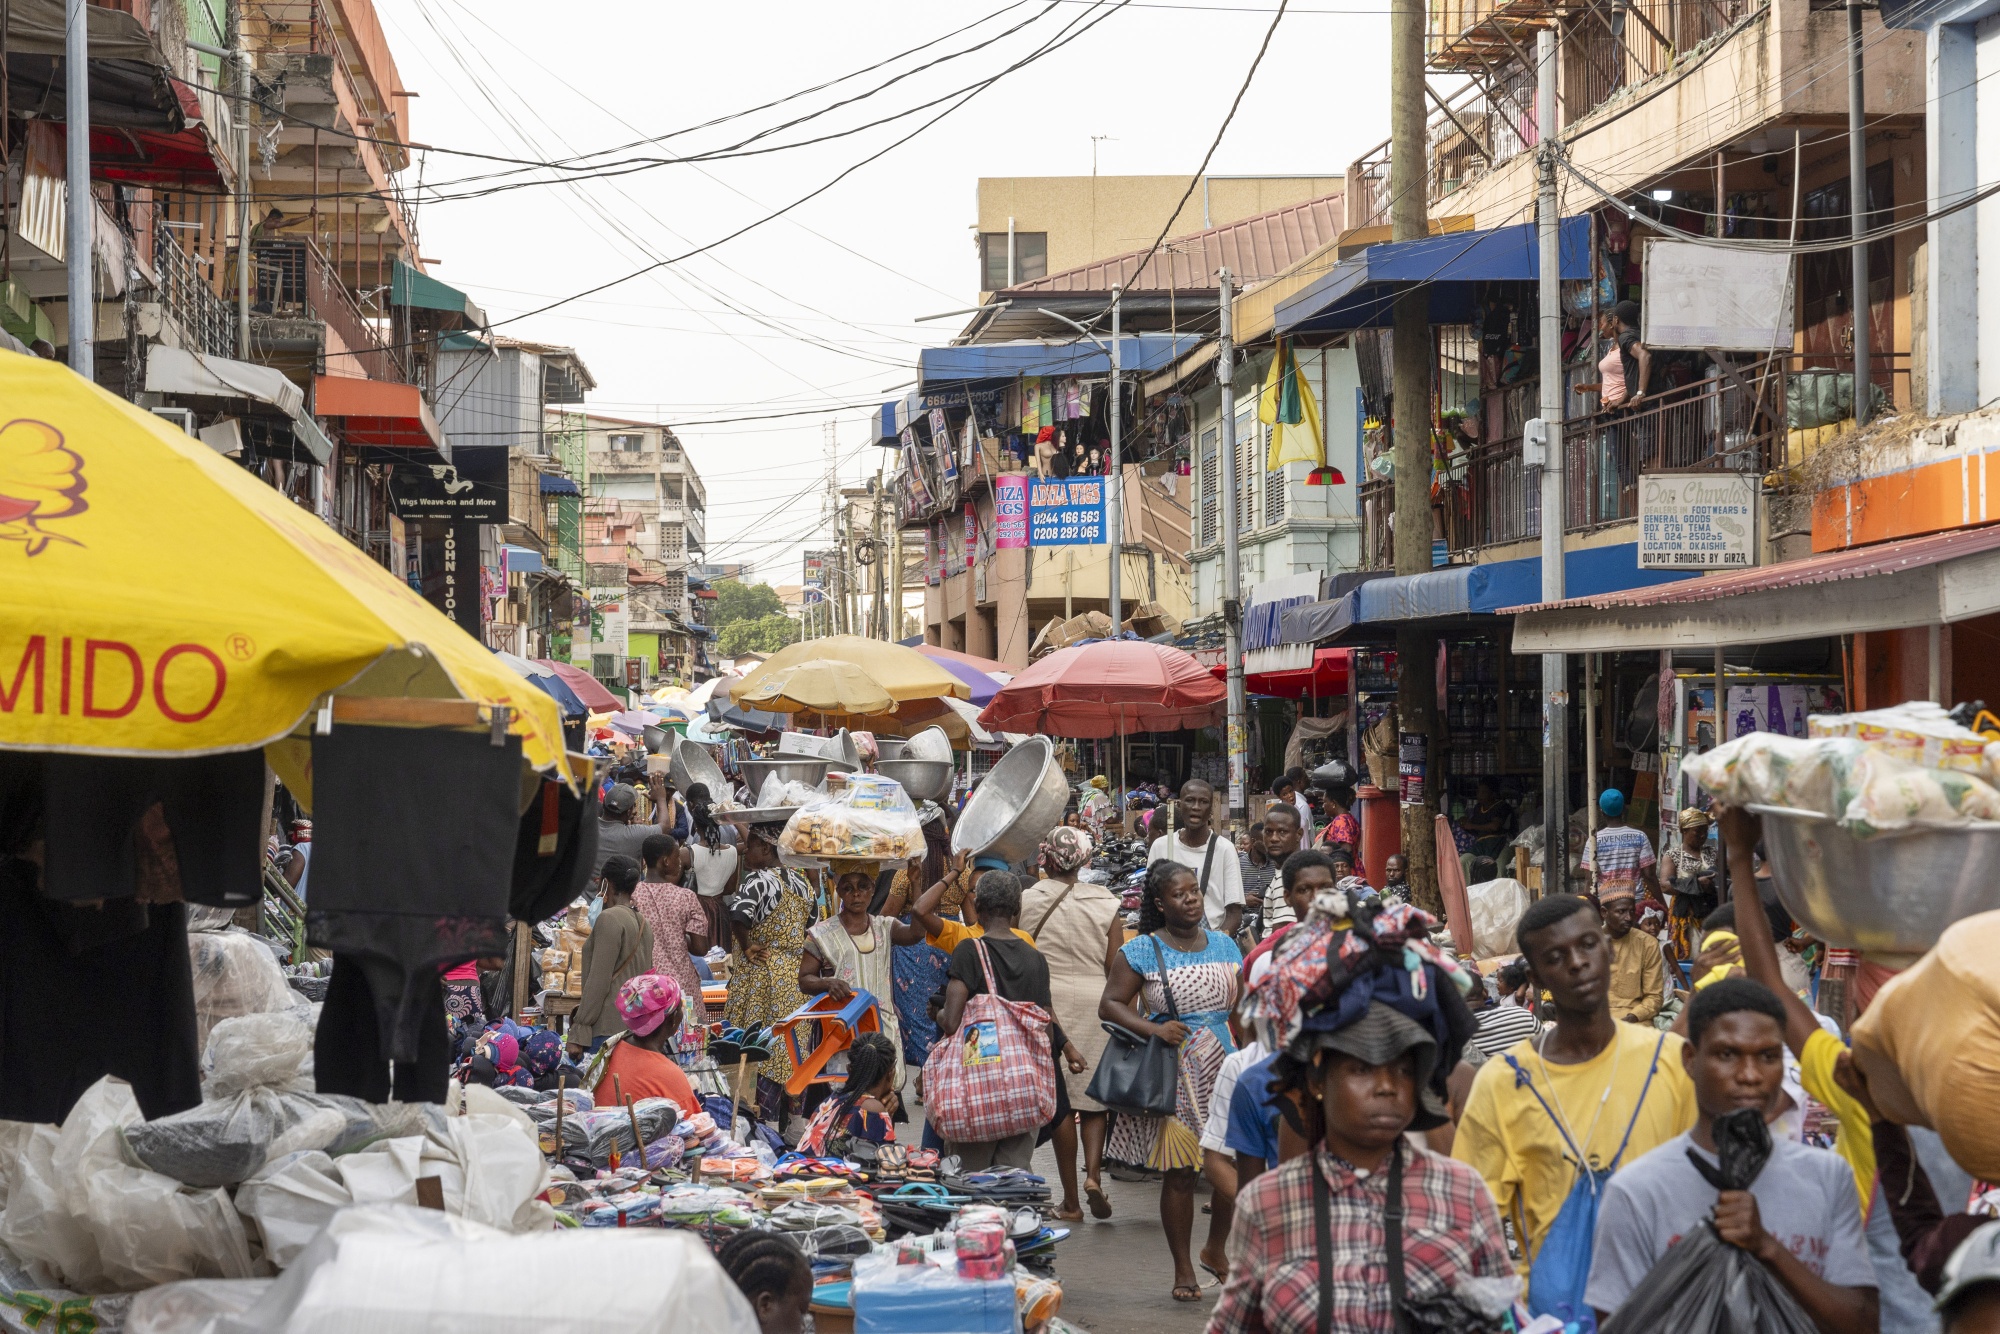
(521, 560)
(1469, 590)
(1360, 293)
(555, 484)
(1137, 354)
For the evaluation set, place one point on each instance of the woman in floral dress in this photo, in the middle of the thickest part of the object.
(771, 911)
(1175, 953)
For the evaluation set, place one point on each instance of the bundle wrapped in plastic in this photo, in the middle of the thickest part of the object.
(778, 792)
(867, 817)
(596, 1135)
(1918, 732)
(235, 974)
(1868, 788)
(255, 1112)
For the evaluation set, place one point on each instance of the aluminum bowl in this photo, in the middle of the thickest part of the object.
(929, 744)
(890, 747)
(789, 769)
(924, 780)
(659, 741)
(1020, 800)
(691, 763)
(839, 749)
(1892, 895)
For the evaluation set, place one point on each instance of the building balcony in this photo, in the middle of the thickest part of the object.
(1734, 423)
(301, 305)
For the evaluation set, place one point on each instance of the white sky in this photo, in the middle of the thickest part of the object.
(824, 298)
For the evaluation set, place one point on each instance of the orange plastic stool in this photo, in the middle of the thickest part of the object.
(838, 1024)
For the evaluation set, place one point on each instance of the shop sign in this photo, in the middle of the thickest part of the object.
(634, 672)
(1066, 514)
(1010, 511)
(971, 533)
(458, 591)
(1697, 520)
(941, 443)
(472, 486)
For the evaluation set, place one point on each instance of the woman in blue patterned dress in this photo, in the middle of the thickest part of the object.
(1175, 953)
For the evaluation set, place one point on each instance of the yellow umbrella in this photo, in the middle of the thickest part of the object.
(155, 598)
(903, 672)
(819, 685)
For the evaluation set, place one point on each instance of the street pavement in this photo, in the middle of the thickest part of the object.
(1116, 1274)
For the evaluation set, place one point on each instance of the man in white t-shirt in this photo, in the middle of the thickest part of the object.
(1220, 875)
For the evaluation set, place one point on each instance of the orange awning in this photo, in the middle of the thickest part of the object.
(377, 412)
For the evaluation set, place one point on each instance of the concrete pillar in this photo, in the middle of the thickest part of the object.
(1012, 632)
(979, 631)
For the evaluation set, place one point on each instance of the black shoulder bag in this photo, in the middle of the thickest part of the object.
(1136, 1075)
(1392, 1242)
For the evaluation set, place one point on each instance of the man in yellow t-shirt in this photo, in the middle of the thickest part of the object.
(1613, 1090)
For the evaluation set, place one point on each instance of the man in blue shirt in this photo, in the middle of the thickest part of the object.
(1253, 1123)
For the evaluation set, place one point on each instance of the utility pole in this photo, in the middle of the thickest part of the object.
(79, 204)
(243, 259)
(1232, 572)
(1555, 667)
(1857, 189)
(878, 620)
(1416, 644)
(1114, 481)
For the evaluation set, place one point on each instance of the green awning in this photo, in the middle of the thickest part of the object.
(412, 288)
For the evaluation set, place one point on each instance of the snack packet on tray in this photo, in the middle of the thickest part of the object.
(863, 816)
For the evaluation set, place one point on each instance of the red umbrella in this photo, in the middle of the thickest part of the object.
(594, 696)
(1110, 688)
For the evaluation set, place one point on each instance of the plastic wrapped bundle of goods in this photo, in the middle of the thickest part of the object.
(862, 816)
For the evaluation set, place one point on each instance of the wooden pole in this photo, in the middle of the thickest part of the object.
(562, 1100)
(521, 934)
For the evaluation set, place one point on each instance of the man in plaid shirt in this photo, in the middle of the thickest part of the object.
(1371, 1080)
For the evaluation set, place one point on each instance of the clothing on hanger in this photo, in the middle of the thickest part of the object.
(211, 806)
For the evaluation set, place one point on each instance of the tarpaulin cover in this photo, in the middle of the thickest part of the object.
(1462, 590)
(1359, 293)
(1137, 354)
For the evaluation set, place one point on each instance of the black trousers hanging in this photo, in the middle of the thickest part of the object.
(348, 1055)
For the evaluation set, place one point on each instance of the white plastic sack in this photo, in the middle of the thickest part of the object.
(1495, 909)
(266, 1050)
(234, 974)
(196, 1306)
(489, 1167)
(99, 1224)
(399, 1270)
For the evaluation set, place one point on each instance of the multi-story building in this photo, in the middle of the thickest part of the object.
(649, 501)
(1050, 330)
(1032, 226)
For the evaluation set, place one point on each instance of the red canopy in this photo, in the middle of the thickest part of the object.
(1110, 688)
(587, 687)
(1325, 678)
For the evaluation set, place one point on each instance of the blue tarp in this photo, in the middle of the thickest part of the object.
(1137, 353)
(1360, 293)
(555, 484)
(1469, 590)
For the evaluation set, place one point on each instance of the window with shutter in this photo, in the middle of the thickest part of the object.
(1208, 482)
(1274, 486)
(1246, 475)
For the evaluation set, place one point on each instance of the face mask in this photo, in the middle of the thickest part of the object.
(596, 907)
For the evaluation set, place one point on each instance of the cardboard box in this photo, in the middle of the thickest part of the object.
(575, 981)
(1150, 618)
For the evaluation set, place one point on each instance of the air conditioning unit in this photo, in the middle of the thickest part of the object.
(181, 417)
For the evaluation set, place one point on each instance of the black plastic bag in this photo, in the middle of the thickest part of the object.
(1704, 1285)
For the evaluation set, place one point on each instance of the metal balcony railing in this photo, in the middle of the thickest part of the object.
(1734, 422)
(289, 27)
(186, 290)
(295, 279)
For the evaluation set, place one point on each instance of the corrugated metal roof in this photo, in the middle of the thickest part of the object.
(1253, 249)
(1856, 563)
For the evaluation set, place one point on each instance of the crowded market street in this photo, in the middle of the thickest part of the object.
(1375, 713)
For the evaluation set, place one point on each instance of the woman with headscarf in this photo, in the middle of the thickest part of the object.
(1076, 924)
(851, 951)
(769, 914)
(639, 1063)
(1687, 874)
(712, 859)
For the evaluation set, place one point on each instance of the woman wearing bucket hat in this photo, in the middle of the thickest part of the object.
(1367, 1019)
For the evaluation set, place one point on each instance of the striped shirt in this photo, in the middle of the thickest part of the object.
(1503, 1025)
